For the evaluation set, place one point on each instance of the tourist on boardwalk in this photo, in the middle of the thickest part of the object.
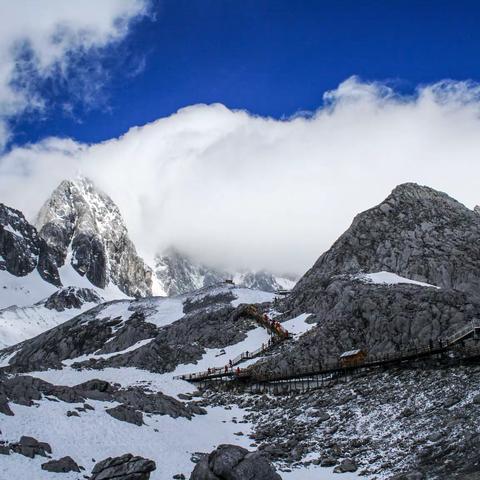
(230, 363)
(226, 368)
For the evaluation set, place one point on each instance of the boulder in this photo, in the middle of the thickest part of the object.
(124, 413)
(346, 466)
(230, 462)
(126, 467)
(29, 447)
(62, 465)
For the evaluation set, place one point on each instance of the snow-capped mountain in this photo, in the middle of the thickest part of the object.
(177, 273)
(83, 226)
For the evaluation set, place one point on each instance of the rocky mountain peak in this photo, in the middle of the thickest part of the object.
(416, 232)
(424, 200)
(81, 224)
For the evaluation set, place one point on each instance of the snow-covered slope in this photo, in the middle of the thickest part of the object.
(84, 227)
(115, 343)
(23, 291)
(177, 273)
(21, 322)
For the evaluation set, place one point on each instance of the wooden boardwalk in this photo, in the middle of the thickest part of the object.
(315, 375)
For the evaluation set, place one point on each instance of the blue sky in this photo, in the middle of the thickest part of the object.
(273, 58)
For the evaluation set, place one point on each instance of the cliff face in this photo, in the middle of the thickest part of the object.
(22, 250)
(82, 225)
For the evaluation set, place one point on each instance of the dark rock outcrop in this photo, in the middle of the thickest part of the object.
(62, 465)
(22, 250)
(26, 390)
(29, 447)
(71, 297)
(230, 462)
(126, 467)
(124, 413)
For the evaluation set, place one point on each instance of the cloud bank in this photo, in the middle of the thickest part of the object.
(240, 190)
(40, 40)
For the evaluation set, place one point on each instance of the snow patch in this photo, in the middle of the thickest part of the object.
(298, 325)
(388, 278)
(23, 291)
(104, 356)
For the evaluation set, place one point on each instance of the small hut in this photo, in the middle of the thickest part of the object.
(352, 357)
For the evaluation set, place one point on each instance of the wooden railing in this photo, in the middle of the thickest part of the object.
(331, 365)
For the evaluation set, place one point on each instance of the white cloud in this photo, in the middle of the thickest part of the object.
(230, 187)
(38, 39)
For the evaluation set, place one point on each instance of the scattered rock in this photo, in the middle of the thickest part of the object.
(126, 467)
(230, 462)
(29, 447)
(346, 466)
(63, 465)
(125, 413)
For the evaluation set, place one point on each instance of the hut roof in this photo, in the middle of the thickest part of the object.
(350, 353)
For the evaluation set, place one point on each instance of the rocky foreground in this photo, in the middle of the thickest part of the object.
(402, 424)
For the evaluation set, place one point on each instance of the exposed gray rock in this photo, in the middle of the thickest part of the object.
(126, 467)
(4, 450)
(62, 465)
(376, 318)
(230, 462)
(417, 232)
(79, 215)
(370, 429)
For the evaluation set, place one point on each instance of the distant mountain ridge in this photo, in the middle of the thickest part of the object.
(177, 273)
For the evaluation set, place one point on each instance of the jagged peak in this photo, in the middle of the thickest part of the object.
(411, 191)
